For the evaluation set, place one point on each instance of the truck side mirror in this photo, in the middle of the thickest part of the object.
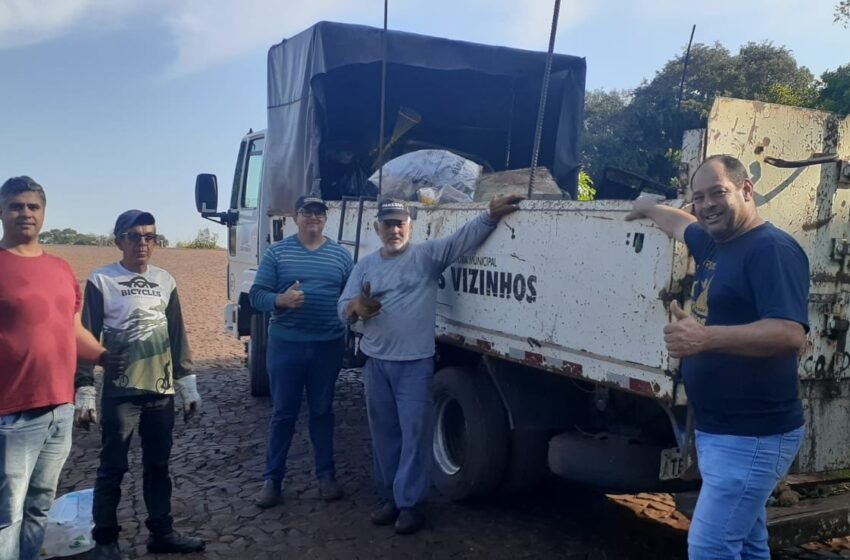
(206, 193)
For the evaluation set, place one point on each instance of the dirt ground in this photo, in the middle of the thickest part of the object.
(217, 467)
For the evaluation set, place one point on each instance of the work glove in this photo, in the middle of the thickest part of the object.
(187, 390)
(85, 407)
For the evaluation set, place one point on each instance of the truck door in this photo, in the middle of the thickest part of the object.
(243, 235)
(780, 146)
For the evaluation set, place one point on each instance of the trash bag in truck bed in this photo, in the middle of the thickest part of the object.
(478, 101)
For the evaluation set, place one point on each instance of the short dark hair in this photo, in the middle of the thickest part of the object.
(735, 170)
(17, 185)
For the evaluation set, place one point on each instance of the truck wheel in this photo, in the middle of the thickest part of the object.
(259, 377)
(470, 434)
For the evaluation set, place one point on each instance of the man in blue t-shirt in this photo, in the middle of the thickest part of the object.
(739, 348)
(299, 281)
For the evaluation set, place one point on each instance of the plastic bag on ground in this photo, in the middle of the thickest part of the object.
(405, 175)
(69, 525)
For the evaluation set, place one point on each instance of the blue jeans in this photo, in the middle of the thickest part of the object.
(152, 416)
(294, 367)
(738, 475)
(401, 421)
(33, 448)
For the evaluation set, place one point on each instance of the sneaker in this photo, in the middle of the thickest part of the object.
(409, 521)
(270, 495)
(329, 490)
(174, 543)
(109, 551)
(385, 515)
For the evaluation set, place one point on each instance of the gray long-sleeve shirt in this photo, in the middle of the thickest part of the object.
(406, 286)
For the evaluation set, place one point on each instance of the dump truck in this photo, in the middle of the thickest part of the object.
(550, 350)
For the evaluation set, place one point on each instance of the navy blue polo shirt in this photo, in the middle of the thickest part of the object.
(763, 274)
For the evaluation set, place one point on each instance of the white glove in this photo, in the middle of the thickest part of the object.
(85, 407)
(187, 390)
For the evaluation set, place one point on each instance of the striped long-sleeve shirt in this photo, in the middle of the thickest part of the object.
(322, 274)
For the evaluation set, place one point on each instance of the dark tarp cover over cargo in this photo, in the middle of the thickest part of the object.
(481, 102)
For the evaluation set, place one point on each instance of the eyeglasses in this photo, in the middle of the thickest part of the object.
(134, 237)
(312, 213)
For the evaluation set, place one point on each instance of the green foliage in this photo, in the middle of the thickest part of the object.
(70, 236)
(204, 240)
(842, 13)
(835, 94)
(641, 131)
(585, 186)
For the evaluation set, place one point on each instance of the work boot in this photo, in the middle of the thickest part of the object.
(270, 494)
(174, 543)
(329, 490)
(409, 521)
(109, 551)
(385, 515)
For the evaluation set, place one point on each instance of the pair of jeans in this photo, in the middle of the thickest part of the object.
(738, 475)
(294, 367)
(401, 420)
(33, 447)
(153, 417)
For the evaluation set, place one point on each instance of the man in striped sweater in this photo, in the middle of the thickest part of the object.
(299, 281)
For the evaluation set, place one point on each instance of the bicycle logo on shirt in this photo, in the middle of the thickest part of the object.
(163, 384)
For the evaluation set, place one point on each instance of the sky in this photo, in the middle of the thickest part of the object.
(117, 104)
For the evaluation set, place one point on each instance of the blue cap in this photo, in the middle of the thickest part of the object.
(309, 200)
(132, 218)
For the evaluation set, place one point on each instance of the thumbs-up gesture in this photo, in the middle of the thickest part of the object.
(683, 335)
(292, 298)
(364, 305)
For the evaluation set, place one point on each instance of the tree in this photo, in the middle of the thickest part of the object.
(642, 132)
(835, 94)
(842, 12)
(604, 129)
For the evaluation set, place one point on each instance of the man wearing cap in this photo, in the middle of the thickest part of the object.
(41, 338)
(299, 281)
(134, 305)
(394, 292)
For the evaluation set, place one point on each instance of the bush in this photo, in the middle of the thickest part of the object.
(204, 240)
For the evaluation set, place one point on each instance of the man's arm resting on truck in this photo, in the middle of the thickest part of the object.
(671, 221)
(471, 235)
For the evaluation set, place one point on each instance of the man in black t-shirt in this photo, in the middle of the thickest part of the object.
(739, 348)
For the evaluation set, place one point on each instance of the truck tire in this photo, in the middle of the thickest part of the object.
(257, 373)
(470, 434)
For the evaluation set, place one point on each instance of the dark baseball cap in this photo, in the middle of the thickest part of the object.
(391, 209)
(132, 218)
(309, 200)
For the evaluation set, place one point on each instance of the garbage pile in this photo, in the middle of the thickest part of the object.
(442, 177)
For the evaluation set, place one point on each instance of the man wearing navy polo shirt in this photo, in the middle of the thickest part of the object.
(299, 281)
(739, 349)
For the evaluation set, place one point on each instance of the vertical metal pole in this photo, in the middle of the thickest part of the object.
(685, 69)
(383, 101)
(544, 91)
